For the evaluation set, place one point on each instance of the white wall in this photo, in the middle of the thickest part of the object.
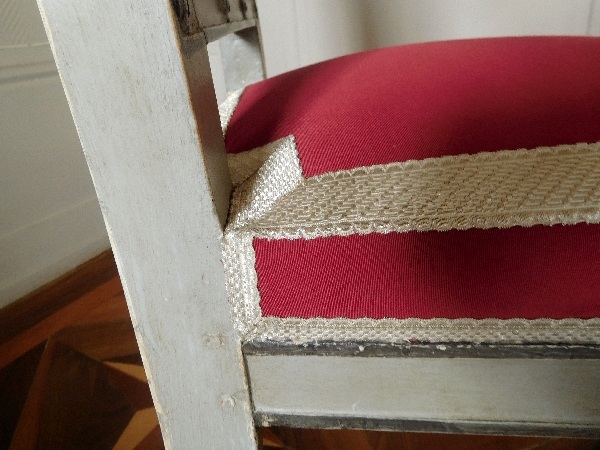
(314, 30)
(49, 218)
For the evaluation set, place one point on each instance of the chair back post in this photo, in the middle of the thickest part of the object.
(235, 25)
(139, 86)
(242, 56)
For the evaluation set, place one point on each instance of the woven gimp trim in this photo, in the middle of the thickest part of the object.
(227, 108)
(244, 297)
(546, 185)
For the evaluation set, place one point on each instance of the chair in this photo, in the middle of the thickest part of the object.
(437, 280)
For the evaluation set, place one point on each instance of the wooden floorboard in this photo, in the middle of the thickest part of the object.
(71, 377)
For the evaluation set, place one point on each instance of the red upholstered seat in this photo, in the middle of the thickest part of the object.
(424, 101)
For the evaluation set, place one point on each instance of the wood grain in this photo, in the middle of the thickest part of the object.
(15, 382)
(145, 108)
(101, 341)
(27, 432)
(96, 411)
(72, 313)
(140, 426)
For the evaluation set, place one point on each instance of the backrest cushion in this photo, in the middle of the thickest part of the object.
(427, 100)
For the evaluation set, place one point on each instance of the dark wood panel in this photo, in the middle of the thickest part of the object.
(15, 382)
(151, 442)
(136, 391)
(82, 310)
(80, 406)
(101, 341)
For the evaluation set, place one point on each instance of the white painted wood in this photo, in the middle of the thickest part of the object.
(141, 98)
(526, 391)
(216, 67)
(242, 58)
(594, 19)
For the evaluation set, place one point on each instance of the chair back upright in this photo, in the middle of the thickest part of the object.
(139, 85)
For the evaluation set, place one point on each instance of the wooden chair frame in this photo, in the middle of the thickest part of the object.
(138, 81)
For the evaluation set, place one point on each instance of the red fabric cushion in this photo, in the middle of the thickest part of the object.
(414, 102)
(427, 100)
(531, 273)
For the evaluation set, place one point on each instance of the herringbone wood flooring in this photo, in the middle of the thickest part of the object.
(71, 377)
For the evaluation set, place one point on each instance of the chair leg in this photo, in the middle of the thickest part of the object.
(158, 163)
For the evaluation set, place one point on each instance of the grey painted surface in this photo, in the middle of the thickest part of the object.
(527, 391)
(146, 113)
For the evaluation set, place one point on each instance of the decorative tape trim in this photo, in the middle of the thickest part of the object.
(242, 285)
(488, 331)
(239, 261)
(278, 159)
(227, 108)
(243, 165)
(279, 175)
(547, 185)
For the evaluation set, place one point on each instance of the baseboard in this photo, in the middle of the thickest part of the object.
(45, 301)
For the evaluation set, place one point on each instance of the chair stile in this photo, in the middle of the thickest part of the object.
(139, 85)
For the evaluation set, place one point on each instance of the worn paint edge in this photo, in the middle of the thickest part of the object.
(418, 350)
(264, 419)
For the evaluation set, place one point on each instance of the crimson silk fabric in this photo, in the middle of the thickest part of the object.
(421, 101)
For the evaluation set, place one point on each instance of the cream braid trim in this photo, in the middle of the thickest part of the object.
(244, 298)
(547, 185)
(544, 186)
(227, 108)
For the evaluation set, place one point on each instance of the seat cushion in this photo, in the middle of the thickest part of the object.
(441, 186)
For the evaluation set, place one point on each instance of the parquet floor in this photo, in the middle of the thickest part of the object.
(71, 377)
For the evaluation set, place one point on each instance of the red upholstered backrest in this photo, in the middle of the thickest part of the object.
(428, 100)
